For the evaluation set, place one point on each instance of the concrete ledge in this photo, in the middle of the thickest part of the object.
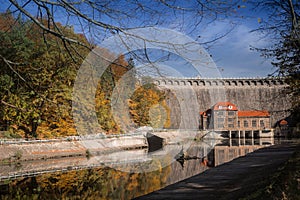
(17, 152)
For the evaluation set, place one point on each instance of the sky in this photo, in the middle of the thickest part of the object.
(233, 56)
(231, 53)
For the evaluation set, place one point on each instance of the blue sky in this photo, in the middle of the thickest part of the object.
(233, 56)
(231, 53)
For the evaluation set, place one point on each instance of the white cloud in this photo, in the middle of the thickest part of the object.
(233, 54)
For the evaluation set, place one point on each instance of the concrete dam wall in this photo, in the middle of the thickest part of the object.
(187, 97)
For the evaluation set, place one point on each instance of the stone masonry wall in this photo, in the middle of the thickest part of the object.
(246, 94)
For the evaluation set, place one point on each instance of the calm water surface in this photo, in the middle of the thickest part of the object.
(120, 175)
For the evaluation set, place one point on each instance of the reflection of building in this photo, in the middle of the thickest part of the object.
(225, 117)
(237, 148)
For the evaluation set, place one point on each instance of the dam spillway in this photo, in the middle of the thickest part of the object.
(186, 97)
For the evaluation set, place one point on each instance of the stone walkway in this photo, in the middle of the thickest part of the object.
(230, 180)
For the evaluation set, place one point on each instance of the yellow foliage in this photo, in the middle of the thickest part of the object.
(148, 107)
(103, 110)
(95, 183)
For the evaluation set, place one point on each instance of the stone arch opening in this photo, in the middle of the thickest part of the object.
(182, 83)
(227, 83)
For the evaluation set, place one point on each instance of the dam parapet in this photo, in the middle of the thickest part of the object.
(212, 82)
(187, 97)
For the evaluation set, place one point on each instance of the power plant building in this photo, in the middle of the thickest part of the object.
(225, 117)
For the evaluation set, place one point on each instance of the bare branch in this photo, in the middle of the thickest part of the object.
(37, 22)
(71, 8)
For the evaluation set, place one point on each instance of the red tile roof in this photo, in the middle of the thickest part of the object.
(283, 122)
(253, 113)
(224, 106)
(205, 113)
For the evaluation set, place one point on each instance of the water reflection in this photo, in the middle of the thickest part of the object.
(83, 178)
(233, 148)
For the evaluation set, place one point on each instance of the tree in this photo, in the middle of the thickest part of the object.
(36, 77)
(148, 107)
(55, 46)
(110, 17)
(282, 25)
(98, 20)
(104, 91)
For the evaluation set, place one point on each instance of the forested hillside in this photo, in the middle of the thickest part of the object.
(37, 76)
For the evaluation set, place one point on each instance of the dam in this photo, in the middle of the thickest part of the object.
(187, 97)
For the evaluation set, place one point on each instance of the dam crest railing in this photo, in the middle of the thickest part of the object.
(226, 82)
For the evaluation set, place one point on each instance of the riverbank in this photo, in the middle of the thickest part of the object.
(19, 151)
(13, 151)
(241, 178)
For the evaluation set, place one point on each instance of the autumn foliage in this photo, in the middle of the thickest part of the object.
(37, 76)
(95, 183)
(148, 107)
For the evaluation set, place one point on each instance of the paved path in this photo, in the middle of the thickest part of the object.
(230, 180)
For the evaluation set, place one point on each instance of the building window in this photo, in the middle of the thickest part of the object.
(231, 113)
(220, 113)
(246, 123)
(254, 123)
(220, 125)
(230, 126)
(230, 120)
(221, 119)
(262, 123)
(239, 123)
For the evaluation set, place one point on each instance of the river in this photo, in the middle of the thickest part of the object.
(119, 175)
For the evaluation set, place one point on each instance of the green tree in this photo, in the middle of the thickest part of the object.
(38, 71)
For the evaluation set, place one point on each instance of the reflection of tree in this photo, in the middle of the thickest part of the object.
(97, 183)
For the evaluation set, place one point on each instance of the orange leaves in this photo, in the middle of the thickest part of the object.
(119, 67)
(6, 21)
(148, 107)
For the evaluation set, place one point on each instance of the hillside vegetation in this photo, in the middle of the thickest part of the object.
(37, 77)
